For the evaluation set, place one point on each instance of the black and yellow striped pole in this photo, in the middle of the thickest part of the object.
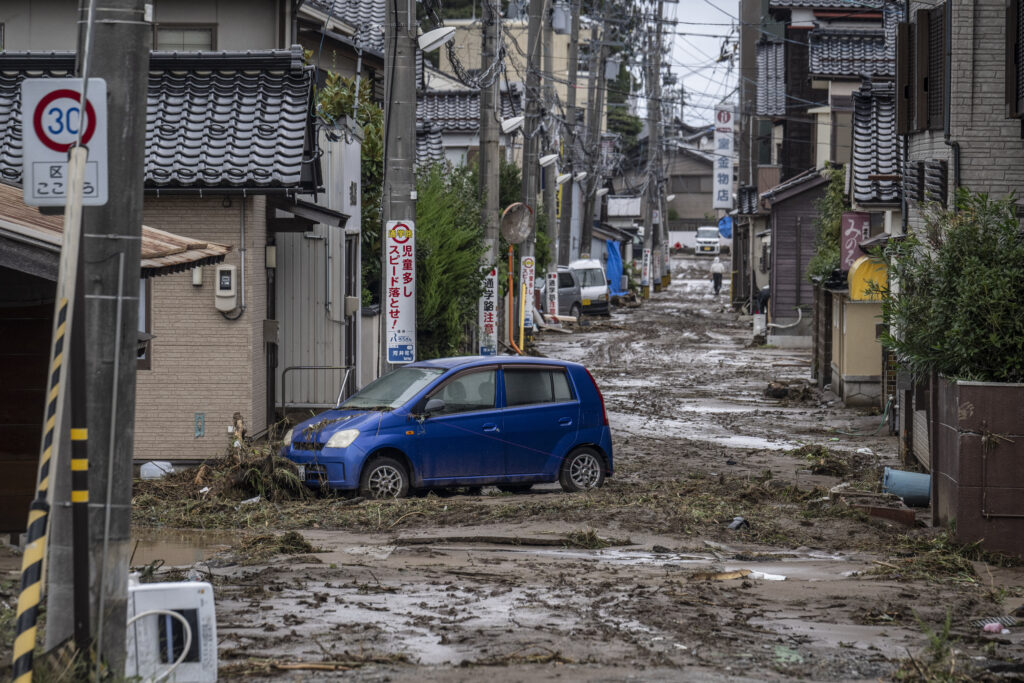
(32, 563)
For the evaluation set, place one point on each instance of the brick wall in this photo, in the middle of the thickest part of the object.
(991, 148)
(201, 362)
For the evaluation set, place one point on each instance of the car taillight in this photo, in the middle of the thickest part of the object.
(604, 413)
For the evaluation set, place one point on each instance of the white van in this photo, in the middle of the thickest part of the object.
(593, 286)
(708, 241)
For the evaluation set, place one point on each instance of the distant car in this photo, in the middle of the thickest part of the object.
(570, 294)
(708, 241)
(509, 421)
(594, 286)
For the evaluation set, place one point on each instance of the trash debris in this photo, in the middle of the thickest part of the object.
(865, 451)
(731, 462)
(660, 549)
(786, 655)
(767, 577)
(914, 488)
(251, 501)
(720, 576)
(156, 469)
(995, 627)
(739, 523)
(988, 621)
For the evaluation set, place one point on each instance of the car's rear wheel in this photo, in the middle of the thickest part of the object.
(582, 470)
(384, 477)
(514, 488)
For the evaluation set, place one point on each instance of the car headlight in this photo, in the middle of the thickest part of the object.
(287, 440)
(342, 439)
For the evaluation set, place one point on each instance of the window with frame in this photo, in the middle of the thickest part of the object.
(530, 386)
(184, 38)
(921, 71)
(1015, 59)
(467, 392)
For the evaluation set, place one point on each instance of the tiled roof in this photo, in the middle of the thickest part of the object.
(827, 4)
(808, 176)
(877, 149)
(771, 78)
(850, 52)
(429, 145)
(456, 110)
(367, 16)
(213, 119)
(747, 203)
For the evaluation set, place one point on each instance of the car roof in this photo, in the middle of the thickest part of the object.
(469, 361)
(585, 263)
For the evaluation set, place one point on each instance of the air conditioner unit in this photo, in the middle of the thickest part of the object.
(156, 641)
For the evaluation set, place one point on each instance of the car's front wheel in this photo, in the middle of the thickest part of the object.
(384, 477)
(582, 470)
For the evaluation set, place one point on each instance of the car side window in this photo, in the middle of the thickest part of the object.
(527, 386)
(468, 392)
(565, 280)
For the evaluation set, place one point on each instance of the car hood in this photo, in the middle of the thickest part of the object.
(324, 425)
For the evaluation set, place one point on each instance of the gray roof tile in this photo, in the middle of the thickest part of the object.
(429, 146)
(851, 52)
(456, 110)
(747, 203)
(771, 78)
(212, 119)
(877, 149)
(827, 4)
(367, 16)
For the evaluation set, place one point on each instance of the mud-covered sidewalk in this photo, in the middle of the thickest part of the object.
(642, 579)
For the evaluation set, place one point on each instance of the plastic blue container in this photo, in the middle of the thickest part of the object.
(913, 487)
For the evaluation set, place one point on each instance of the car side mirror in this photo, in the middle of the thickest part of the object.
(434, 405)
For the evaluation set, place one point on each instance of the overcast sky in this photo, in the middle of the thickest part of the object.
(696, 45)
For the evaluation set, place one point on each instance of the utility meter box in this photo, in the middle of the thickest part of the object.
(226, 291)
(156, 641)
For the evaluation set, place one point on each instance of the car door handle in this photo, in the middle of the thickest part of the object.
(565, 421)
(490, 427)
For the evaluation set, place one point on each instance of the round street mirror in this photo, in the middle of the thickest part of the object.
(515, 223)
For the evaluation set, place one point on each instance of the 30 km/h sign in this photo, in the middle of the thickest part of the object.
(51, 118)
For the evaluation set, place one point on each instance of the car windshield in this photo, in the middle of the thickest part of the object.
(591, 277)
(707, 233)
(392, 390)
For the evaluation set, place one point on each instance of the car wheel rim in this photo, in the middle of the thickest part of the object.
(384, 482)
(585, 471)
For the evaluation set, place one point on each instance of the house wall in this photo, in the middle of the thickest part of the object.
(689, 204)
(201, 362)
(52, 24)
(793, 240)
(861, 363)
(991, 148)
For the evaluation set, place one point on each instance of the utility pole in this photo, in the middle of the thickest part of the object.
(400, 139)
(490, 167)
(652, 235)
(122, 38)
(532, 124)
(569, 150)
(550, 172)
(595, 114)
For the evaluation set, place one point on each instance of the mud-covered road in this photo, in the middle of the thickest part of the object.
(641, 580)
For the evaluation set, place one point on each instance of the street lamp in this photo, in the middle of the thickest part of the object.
(580, 177)
(431, 40)
(602, 192)
(670, 198)
(564, 178)
(547, 160)
(512, 124)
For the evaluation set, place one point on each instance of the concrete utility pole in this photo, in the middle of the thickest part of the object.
(400, 133)
(531, 171)
(652, 235)
(569, 150)
(595, 113)
(550, 172)
(121, 42)
(490, 163)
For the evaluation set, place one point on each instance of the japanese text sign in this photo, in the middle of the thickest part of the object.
(488, 315)
(400, 287)
(722, 185)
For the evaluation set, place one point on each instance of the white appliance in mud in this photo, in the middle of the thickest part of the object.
(157, 638)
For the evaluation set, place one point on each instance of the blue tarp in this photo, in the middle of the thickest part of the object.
(725, 227)
(614, 268)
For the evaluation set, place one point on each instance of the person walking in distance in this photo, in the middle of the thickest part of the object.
(716, 274)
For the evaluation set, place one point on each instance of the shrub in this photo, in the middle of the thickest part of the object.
(829, 224)
(955, 306)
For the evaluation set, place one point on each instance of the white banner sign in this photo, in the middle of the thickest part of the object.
(400, 277)
(552, 294)
(51, 118)
(527, 272)
(666, 259)
(488, 315)
(722, 186)
(645, 269)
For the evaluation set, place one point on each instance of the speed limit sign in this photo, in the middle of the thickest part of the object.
(52, 117)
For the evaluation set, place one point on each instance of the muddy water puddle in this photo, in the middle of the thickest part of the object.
(178, 547)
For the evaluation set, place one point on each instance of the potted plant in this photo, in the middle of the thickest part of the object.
(955, 316)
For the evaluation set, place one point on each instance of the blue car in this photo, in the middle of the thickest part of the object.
(503, 420)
